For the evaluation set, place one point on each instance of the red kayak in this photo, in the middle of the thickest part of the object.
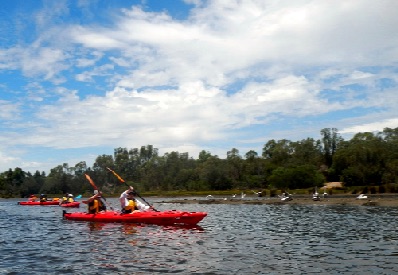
(151, 217)
(38, 203)
(70, 204)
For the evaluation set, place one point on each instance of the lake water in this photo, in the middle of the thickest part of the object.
(232, 239)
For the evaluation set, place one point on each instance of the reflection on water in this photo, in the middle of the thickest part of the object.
(131, 228)
(232, 239)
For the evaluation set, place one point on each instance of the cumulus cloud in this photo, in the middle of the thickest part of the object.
(147, 78)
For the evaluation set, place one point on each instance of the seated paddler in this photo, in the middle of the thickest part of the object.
(95, 203)
(130, 204)
(32, 198)
(68, 198)
(43, 197)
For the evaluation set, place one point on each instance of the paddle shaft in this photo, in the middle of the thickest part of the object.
(123, 181)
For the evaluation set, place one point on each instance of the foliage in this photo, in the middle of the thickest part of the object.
(368, 159)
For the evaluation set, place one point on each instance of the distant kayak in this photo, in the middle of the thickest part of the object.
(70, 204)
(43, 203)
(150, 217)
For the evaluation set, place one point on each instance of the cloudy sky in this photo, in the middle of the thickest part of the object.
(80, 78)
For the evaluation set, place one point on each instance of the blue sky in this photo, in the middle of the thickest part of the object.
(80, 78)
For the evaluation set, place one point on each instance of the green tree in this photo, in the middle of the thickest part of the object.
(390, 136)
(362, 160)
(306, 151)
(278, 152)
(153, 174)
(213, 172)
(330, 140)
(253, 170)
(303, 176)
(203, 156)
(235, 167)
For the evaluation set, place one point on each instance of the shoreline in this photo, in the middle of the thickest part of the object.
(349, 200)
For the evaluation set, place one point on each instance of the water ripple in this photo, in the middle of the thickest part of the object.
(233, 239)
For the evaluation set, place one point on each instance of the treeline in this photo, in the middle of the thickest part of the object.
(368, 159)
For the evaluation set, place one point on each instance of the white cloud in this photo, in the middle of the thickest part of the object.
(230, 65)
(225, 37)
(7, 161)
(41, 62)
(371, 127)
(8, 110)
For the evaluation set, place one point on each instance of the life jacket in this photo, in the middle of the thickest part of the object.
(70, 199)
(95, 206)
(64, 199)
(131, 206)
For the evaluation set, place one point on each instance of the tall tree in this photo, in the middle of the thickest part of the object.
(204, 155)
(235, 166)
(330, 140)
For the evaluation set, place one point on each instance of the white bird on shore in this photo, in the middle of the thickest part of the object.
(325, 194)
(362, 196)
(259, 193)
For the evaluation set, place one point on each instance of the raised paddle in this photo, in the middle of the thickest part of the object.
(123, 181)
(96, 189)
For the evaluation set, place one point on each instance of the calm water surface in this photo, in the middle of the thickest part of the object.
(232, 239)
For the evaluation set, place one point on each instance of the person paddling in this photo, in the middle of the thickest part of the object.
(43, 198)
(32, 198)
(68, 198)
(95, 203)
(130, 204)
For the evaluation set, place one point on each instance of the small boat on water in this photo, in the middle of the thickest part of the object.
(170, 217)
(42, 203)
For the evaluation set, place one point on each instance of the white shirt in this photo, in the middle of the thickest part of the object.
(124, 201)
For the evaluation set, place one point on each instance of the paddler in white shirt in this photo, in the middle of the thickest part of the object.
(130, 204)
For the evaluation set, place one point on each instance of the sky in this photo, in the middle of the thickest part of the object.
(80, 78)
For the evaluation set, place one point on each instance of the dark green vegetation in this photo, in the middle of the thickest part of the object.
(368, 160)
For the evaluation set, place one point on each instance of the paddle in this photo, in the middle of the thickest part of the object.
(123, 181)
(96, 188)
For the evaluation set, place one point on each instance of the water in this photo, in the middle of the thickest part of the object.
(232, 239)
